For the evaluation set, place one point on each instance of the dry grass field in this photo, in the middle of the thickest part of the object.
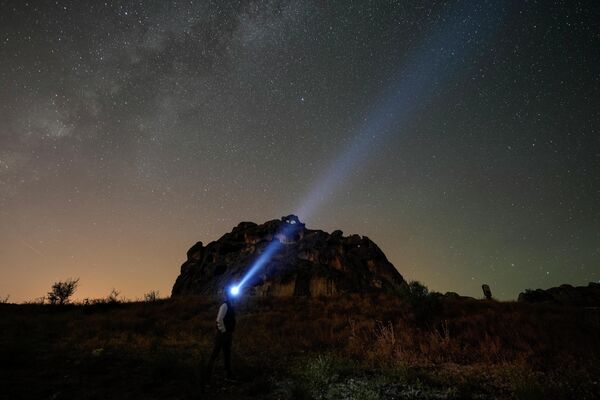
(354, 347)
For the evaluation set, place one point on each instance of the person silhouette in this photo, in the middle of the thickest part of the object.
(224, 335)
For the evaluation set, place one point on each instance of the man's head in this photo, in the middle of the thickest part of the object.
(231, 293)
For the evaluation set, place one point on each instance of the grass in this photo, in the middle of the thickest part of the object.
(359, 347)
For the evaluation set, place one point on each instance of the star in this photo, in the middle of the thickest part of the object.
(199, 115)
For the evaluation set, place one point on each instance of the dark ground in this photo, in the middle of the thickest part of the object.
(359, 347)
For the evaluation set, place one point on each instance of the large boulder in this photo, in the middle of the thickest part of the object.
(585, 296)
(294, 261)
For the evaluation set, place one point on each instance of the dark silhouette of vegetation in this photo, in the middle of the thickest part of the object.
(62, 291)
(151, 296)
(113, 296)
(425, 305)
(359, 347)
(4, 300)
(417, 291)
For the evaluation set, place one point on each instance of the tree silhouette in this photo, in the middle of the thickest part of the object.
(62, 291)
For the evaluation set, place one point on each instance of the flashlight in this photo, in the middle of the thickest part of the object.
(234, 290)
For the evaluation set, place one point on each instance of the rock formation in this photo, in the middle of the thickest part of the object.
(307, 263)
(585, 296)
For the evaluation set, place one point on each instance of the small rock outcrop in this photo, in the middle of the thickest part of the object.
(304, 262)
(584, 296)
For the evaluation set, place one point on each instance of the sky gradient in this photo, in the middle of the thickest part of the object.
(129, 131)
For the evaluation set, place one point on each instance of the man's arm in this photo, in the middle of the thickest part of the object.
(220, 317)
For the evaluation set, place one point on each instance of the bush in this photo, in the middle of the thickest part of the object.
(113, 296)
(426, 305)
(151, 296)
(317, 374)
(62, 291)
(417, 291)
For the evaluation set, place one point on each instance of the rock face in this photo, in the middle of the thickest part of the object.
(585, 296)
(304, 262)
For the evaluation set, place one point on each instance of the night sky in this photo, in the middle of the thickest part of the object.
(131, 130)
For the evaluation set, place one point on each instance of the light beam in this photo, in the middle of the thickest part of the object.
(451, 46)
(288, 229)
(446, 54)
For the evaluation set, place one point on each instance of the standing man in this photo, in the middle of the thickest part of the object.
(224, 338)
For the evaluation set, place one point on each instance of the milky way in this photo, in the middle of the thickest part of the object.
(131, 130)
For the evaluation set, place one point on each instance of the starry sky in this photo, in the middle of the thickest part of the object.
(129, 130)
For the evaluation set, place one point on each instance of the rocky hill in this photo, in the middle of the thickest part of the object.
(585, 296)
(305, 262)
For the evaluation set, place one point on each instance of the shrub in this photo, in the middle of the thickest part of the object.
(317, 373)
(417, 291)
(113, 296)
(151, 296)
(62, 291)
(426, 305)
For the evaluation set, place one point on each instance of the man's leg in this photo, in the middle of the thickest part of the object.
(215, 353)
(227, 341)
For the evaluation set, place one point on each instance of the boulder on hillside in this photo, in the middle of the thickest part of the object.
(295, 261)
(584, 296)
